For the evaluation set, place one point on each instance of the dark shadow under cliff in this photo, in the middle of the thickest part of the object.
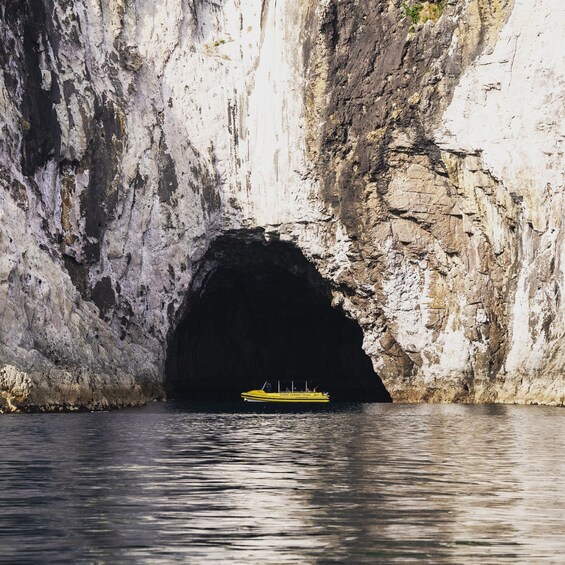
(262, 312)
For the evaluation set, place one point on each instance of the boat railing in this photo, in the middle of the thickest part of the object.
(283, 387)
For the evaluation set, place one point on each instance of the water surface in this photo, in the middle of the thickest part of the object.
(261, 484)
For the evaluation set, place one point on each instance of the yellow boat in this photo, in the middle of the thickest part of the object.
(296, 391)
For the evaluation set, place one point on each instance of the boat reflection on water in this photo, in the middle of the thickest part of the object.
(286, 391)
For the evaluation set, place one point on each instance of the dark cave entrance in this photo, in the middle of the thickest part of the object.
(260, 311)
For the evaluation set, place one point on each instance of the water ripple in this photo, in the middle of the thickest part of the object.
(246, 484)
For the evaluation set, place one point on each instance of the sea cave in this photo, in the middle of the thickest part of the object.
(259, 312)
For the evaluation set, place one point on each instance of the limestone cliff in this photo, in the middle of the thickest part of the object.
(412, 152)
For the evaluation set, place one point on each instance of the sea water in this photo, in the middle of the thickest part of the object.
(253, 483)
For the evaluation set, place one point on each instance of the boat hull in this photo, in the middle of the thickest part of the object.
(286, 397)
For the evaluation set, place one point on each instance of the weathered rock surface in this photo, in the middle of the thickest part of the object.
(418, 166)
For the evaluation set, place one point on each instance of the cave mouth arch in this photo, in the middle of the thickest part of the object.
(260, 311)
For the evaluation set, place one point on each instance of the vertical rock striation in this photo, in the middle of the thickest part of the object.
(415, 161)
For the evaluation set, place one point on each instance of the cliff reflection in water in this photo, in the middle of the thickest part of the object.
(356, 483)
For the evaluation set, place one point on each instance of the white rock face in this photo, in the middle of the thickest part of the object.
(509, 109)
(217, 92)
(177, 122)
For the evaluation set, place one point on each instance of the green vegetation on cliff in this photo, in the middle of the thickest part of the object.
(421, 12)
